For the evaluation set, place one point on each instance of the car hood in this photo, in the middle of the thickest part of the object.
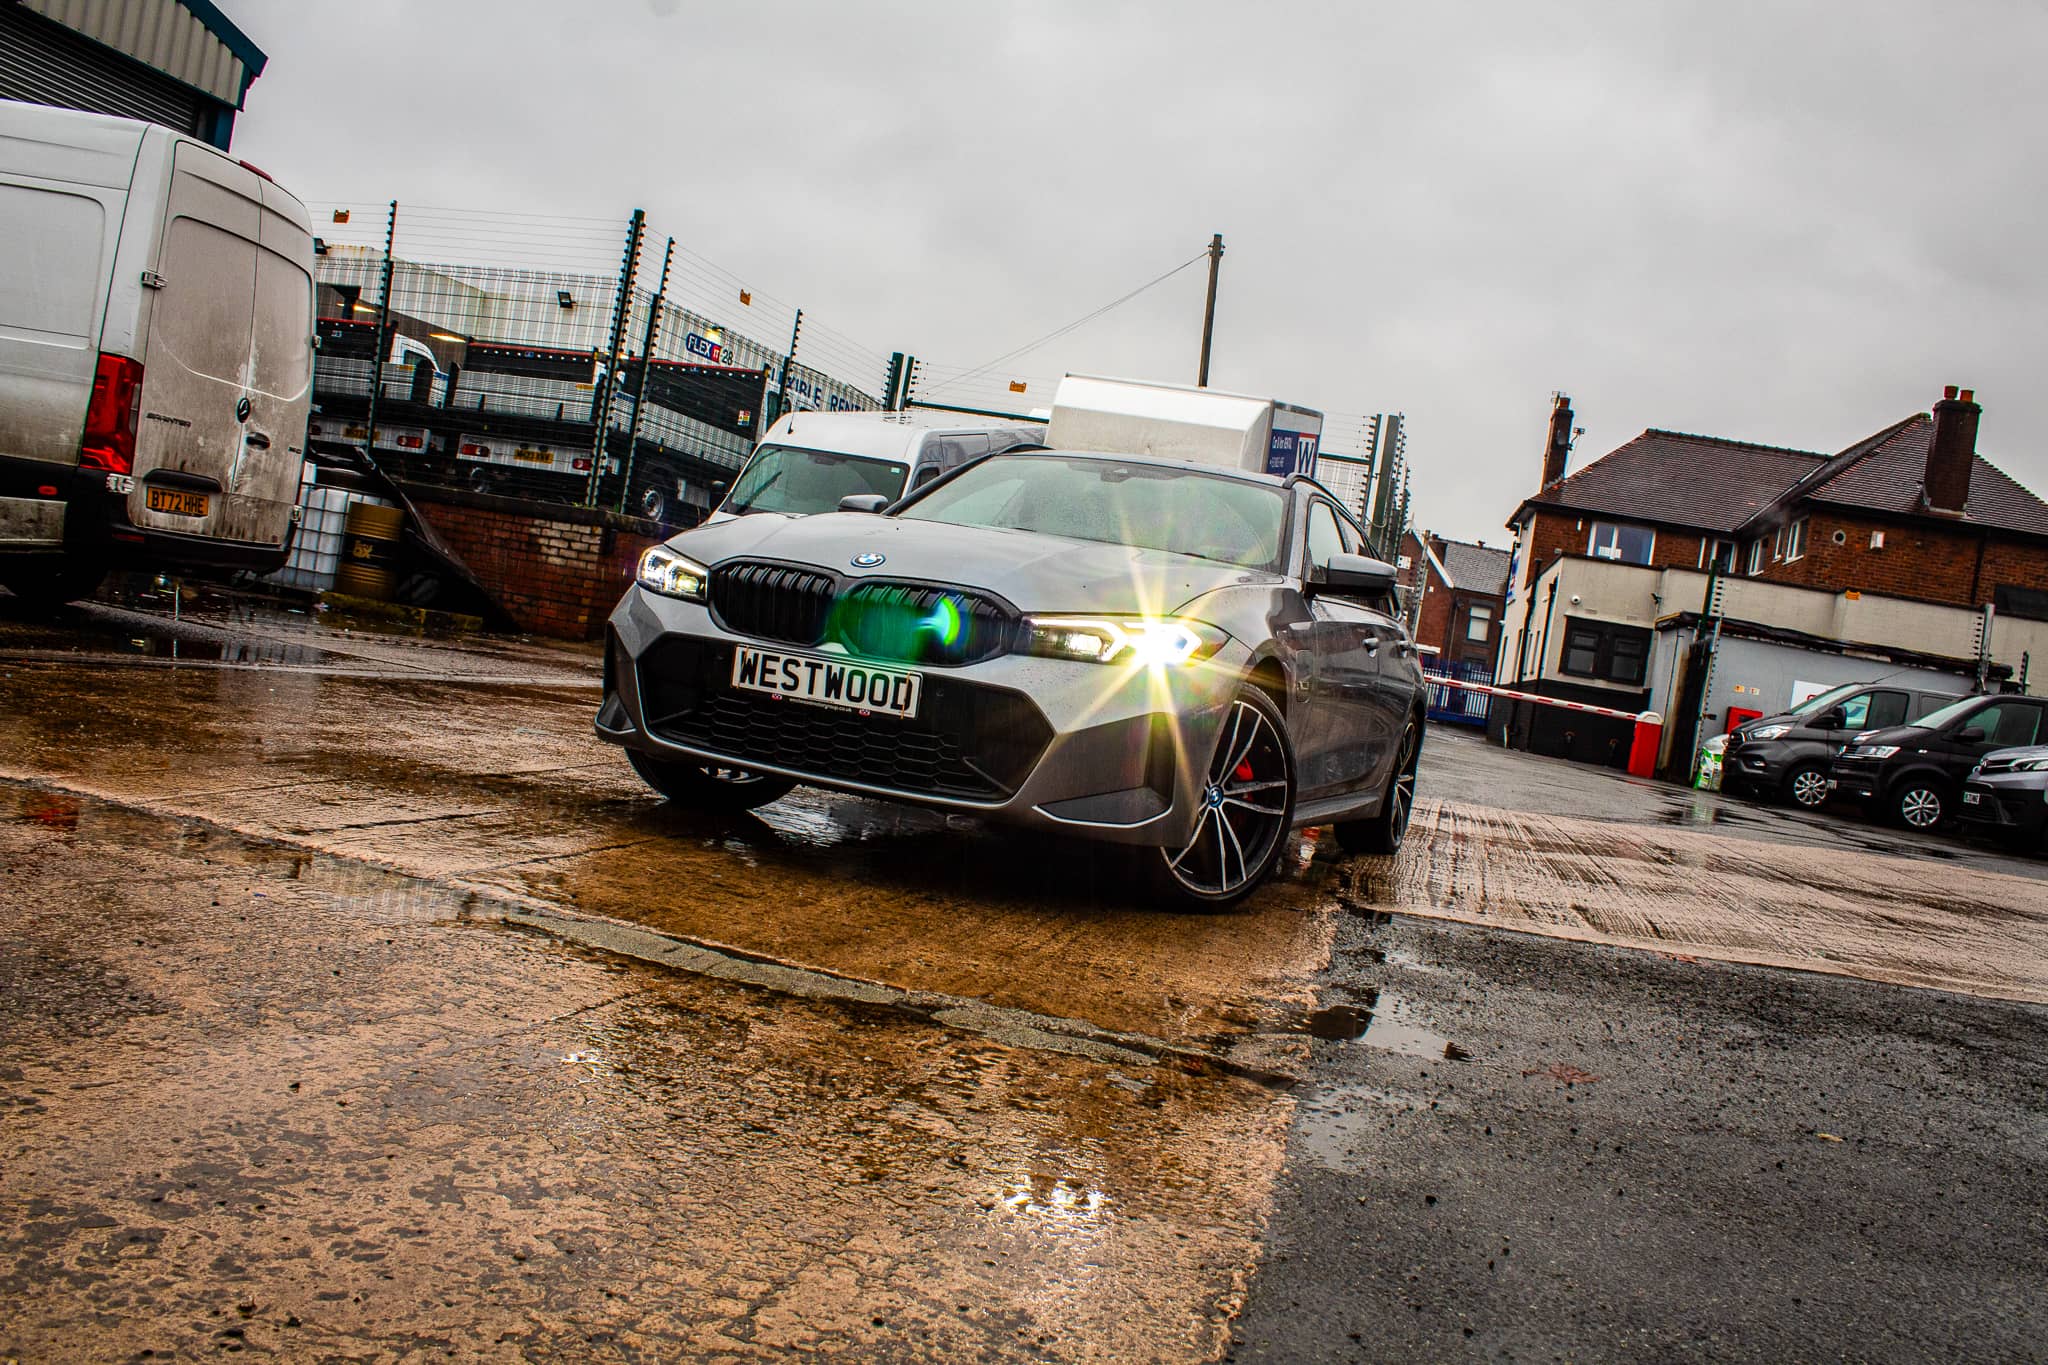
(1033, 571)
(1905, 736)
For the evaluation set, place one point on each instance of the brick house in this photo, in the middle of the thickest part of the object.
(1891, 550)
(1456, 597)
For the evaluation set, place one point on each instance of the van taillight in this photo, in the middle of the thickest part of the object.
(111, 417)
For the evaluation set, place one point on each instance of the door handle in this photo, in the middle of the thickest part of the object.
(1372, 645)
(258, 440)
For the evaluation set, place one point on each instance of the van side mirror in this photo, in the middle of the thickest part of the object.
(863, 502)
(1972, 735)
(1831, 719)
(1347, 574)
(718, 488)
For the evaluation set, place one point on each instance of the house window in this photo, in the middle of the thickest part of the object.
(1718, 555)
(1605, 651)
(1478, 622)
(1629, 544)
(1795, 540)
(1756, 556)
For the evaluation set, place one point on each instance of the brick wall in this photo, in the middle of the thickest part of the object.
(555, 570)
(1920, 561)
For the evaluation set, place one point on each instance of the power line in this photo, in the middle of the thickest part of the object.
(1057, 333)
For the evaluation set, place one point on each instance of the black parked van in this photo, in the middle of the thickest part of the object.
(1787, 755)
(1914, 773)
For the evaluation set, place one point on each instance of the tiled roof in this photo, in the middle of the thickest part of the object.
(1476, 568)
(1883, 473)
(1675, 478)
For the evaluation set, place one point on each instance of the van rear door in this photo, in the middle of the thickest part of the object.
(227, 372)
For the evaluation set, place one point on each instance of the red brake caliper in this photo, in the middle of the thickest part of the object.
(1244, 771)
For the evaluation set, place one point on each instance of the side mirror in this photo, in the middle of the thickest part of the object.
(1972, 735)
(1346, 574)
(719, 486)
(1831, 719)
(863, 502)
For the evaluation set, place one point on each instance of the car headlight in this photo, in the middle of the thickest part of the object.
(1769, 732)
(664, 571)
(2029, 765)
(1872, 751)
(1159, 641)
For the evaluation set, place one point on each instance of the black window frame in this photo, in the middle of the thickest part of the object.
(1603, 636)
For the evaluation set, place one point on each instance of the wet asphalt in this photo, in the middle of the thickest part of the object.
(358, 1004)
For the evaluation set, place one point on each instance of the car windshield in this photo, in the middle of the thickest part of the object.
(1820, 702)
(1116, 502)
(802, 482)
(1955, 710)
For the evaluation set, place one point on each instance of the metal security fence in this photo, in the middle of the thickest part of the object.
(1458, 705)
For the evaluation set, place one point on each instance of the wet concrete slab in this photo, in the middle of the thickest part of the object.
(263, 1098)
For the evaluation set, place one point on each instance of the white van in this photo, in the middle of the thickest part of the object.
(807, 461)
(156, 353)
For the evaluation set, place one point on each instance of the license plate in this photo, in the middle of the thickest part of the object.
(534, 456)
(844, 683)
(1972, 798)
(179, 502)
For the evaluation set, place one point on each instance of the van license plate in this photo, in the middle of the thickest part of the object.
(828, 682)
(179, 502)
(1972, 798)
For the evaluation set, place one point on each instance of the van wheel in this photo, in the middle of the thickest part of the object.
(652, 502)
(1919, 803)
(1806, 786)
(46, 582)
(707, 786)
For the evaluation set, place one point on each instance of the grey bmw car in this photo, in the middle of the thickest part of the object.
(1150, 652)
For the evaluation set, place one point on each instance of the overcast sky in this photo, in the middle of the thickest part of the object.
(1779, 223)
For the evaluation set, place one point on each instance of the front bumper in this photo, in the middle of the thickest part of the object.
(1856, 780)
(2010, 805)
(1113, 752)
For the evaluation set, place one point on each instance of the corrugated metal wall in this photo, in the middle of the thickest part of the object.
(159, 33)
(43, 63)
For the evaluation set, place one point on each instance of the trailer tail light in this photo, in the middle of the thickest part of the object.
(409, 442)
(112, 416)
(473, 448)
(581, 464)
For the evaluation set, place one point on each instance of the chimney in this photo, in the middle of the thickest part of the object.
(1559, 446)
(1946, 487)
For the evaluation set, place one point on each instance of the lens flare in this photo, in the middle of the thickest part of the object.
(944, 621)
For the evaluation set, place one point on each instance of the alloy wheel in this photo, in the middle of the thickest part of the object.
(1809, 788)
(1245, 807)
(1920, 807)
(1401, 796)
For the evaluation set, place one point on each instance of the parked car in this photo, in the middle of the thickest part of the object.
(156, 353)
(1915, 773)
(1786, 756)
(808, 461)
(1149, 652)
(2006, 798)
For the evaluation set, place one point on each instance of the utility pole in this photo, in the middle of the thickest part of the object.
(601, 401)
(796, 332)
(646, 367)
(1209, 309)
(383, 328)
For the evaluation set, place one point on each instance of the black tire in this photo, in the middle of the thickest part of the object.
(1806, 786)
(46, 582)
(1920, 803)
(1246, 811)
(1382, 834)
(656, 498)
(707, 786)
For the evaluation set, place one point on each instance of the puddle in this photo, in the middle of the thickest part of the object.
(1383, 1020)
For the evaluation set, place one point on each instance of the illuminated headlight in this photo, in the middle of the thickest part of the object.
(2029, 765)
(1872, 751)
(1769, 732)
(664, 571)
(1154, 641)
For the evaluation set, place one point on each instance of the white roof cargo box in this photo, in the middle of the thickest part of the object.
(1176, 422)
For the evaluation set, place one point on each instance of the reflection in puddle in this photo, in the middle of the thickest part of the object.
(1058, 1202)
(1380, 1020)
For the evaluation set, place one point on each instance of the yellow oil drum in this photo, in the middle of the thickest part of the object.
(369, 551)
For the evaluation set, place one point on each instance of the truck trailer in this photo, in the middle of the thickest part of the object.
(1178, 422)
